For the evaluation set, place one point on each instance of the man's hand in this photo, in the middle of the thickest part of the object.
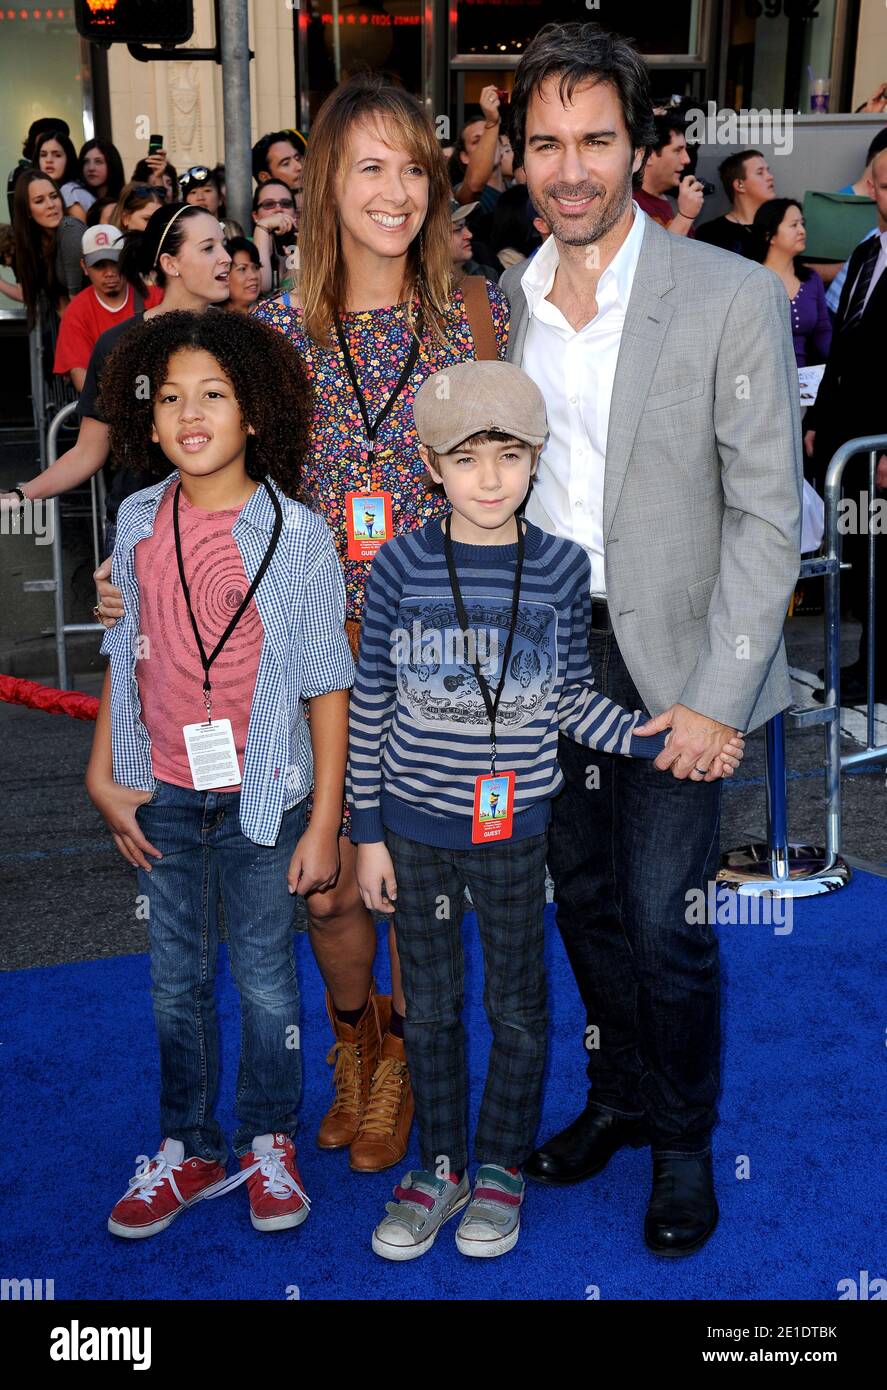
(489, 104)
(375, 877)
(690, 197)
(118, 806)
(809, 443)
(694, 746)
(110, 598)
(315, 862)
(881, 472)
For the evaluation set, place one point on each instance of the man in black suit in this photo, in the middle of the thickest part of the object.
(851, 403)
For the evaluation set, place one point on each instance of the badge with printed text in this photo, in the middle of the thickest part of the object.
(368, 523)
(212, 755)
(493, 807)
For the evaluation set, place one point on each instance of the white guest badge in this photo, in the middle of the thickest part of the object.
(212, 755)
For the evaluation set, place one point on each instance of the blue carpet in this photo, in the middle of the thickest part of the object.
(802, 1099)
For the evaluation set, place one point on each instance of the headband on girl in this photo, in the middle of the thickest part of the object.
(183, 208)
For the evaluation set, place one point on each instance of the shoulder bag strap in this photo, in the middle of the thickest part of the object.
(480, 317)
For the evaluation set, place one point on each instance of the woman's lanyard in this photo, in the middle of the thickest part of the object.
(207, 661)
(491, 702)
(371, 427)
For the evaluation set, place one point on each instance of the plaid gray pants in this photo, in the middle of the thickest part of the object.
(507, 886)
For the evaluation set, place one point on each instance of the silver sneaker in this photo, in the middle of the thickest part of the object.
(423, 1204)
(491, 1224)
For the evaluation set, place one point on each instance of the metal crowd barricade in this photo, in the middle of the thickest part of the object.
(54, 400)
(778, 868)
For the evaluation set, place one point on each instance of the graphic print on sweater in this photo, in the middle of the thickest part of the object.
(435, 674)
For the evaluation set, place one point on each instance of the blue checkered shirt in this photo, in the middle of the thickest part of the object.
(301, 601)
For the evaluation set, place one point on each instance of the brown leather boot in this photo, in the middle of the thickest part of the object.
(356, 1055)
(384, 1130)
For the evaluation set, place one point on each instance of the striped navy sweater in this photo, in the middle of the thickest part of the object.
(419, 731)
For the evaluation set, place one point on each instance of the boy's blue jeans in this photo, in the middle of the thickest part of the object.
(206, 857)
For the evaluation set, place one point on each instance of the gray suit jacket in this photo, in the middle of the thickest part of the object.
(702, 488)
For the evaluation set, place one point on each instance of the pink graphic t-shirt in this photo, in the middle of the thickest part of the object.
(169, 671)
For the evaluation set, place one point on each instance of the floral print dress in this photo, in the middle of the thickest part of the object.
(379, 341)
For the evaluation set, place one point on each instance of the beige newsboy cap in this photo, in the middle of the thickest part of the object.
(473, 397)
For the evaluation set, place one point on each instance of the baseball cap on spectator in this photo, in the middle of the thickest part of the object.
(459, 211)
(102, 243)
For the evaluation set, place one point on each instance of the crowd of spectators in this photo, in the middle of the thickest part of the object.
(72, 215)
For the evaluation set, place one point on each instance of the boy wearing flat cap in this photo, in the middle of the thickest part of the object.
(473, 657)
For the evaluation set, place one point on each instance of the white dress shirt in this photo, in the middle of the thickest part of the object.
(575, 373)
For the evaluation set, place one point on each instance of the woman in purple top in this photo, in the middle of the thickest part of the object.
(780, 238)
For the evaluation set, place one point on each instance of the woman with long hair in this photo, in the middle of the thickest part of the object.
(54, 154)
(47, 246)
(376, 314)
(102, 168)
(181, 246)
(779, 238)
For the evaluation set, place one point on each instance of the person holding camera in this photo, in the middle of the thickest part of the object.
(666, 172)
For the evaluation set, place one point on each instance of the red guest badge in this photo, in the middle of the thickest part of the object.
(493, 808)
(368, 523)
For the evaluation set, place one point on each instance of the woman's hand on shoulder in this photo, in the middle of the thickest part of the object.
(110, 602)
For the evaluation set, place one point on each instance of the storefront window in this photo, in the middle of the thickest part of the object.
(40, 75)
(505, 28)
(778, 51)
(336, 37)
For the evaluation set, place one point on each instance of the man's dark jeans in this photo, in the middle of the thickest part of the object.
(627, 845)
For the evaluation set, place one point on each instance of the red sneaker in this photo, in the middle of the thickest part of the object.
(277, 1198)
(168, 1185)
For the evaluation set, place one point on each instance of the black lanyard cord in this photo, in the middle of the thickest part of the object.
(491, 703)
(207, 661)
(372, 426)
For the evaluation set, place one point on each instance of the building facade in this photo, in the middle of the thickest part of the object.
(739, 53)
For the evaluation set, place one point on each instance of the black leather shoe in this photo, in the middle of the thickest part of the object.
(683, 1211)
(585, 1147)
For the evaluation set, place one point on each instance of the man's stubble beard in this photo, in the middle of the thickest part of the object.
(609, 214)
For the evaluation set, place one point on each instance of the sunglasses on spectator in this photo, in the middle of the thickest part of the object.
(271, 203)
(195, 177)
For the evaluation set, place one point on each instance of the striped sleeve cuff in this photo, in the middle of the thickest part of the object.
(366, 826)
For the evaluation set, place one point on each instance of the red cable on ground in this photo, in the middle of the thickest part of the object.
(73, 702)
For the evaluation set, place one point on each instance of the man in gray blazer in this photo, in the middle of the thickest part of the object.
(674, 458)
